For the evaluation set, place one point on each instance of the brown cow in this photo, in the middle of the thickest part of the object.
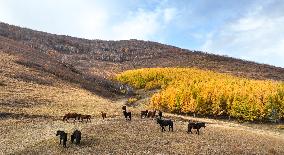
(71, 115)
(87, 117)
(151, 114)
(104, 115)
(144, 114)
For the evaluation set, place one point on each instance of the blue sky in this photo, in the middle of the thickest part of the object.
(247, 29)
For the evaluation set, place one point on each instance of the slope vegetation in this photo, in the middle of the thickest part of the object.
(189, 90)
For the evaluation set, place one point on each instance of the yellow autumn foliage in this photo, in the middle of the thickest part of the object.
(191, 90)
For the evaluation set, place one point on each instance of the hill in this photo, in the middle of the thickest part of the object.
(107, 58)
(44, 76)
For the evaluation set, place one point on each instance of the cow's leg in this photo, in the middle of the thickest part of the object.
(198, 131)
(72, 138)
(64, 143)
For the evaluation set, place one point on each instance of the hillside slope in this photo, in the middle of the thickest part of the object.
(44, 76)
(32, 84)
(46, 65)
(106, 58)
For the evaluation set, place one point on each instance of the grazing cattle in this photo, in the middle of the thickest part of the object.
(104, 115)
(87, 117)
(160, 114)
(144, 113)
(127, 115)
(151, 114)
(76, 136)
(67, 116)
(197, 126)
(62, 137)
(164, 123)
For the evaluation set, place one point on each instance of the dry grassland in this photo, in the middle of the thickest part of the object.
(30, 114)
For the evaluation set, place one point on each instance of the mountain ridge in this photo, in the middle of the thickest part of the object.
(107, 58)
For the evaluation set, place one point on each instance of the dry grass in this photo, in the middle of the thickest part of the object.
(117, 136)
(30, 113)
(54, 100)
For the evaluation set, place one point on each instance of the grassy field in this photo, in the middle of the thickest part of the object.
(31, 112)
(117, 136)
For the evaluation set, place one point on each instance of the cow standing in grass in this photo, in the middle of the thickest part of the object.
(62, 137)
(127, 115)
(144, 114)
(151, 114)
(76, 136)
(164, 123)
(67, 116)
(193, 125)
(104, 115)
(86, 117)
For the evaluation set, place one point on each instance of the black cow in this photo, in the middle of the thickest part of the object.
(76, 136)
(164, 123)
(63, 137)
(124, 108)
(197, 126)
(127, 115)
(160, 114)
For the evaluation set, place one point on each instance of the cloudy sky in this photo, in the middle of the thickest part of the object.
(247, 29)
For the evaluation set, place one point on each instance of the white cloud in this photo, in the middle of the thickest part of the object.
(169, 14)
(256, 36)
(247, 24)
(109, 20)
(143, 24)
(92, 22)
(139, 25)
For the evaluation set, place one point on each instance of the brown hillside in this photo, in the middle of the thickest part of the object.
(44, 76)
(106, 58)
(30, 65)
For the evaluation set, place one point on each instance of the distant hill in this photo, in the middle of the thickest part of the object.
(32, 66)
(77, 57)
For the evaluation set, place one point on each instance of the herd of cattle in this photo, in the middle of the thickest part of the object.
(76, 136)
